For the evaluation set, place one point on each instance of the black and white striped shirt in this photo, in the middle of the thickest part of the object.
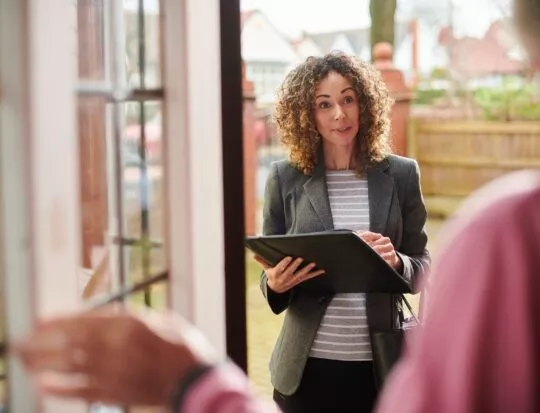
(343, 333)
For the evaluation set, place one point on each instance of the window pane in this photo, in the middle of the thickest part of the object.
(120, 149)
(143, 37)
(93, 129)
(143, 170)
(121, 246)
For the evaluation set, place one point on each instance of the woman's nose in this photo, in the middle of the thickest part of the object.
(339, 114)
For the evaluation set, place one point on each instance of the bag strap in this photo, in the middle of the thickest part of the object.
(409, 307)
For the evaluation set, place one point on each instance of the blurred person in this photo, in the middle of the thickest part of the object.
(478, 349)
(333, 118)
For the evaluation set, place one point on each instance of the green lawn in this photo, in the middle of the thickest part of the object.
(262, 327)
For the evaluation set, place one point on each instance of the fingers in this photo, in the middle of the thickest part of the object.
(53, 352)
(286, 274)
(70, 361)
(386, 250)
(76, 387)
(387, 254)
(281, 267)
(291, 269)
(62, 385)
(299, 279)
(305, 274)
(104, 366)
(286, 266)
(64, 344)
(369, 236)
(383, 249)
(306, 270)
(381, 241)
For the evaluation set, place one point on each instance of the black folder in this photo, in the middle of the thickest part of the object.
(351, 265)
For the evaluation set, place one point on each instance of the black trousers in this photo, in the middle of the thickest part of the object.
(331, 386)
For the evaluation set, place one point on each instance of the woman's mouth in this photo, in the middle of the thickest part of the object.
(343, 130)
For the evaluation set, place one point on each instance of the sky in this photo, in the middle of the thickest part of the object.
(470, 17)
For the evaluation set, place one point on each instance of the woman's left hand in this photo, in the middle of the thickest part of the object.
(384, 247)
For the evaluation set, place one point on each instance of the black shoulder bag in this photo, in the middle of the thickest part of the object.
(387, 345)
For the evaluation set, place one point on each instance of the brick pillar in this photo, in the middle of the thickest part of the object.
(91, 124)
(250, 155)
(393, 77)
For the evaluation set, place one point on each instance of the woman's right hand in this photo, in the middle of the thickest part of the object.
(285, 276)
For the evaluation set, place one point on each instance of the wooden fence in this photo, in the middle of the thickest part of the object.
(457, 157)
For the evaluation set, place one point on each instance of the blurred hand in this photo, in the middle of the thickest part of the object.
(285, 276)
(382, 246)
(114, 356)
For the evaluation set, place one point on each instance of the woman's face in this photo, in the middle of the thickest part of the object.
(336, 110)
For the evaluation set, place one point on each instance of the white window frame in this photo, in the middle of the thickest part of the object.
(40, 212)
(193, 161)
(40, 206)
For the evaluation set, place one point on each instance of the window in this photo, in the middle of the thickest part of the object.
(120, 105)
(115, 192)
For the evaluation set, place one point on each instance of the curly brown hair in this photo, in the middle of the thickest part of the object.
(294, 112)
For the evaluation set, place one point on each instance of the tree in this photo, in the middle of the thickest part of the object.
(382, 21)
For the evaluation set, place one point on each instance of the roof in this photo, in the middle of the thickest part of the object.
(359, 39)
(489, 55)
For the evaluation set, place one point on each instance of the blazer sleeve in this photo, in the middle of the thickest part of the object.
(273, 224)
(412, 251)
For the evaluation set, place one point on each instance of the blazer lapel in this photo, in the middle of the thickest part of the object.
(317, 192)
(381, 189)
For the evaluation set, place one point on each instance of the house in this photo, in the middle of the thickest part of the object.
(267, 55)
(484, 61)
(409, 35)
(355, 42)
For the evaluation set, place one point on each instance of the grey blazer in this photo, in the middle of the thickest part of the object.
(297, 203)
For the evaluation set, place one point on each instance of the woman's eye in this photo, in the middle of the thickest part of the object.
(324, 105)
(348, 99)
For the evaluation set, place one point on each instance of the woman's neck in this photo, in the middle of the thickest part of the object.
(339, 157)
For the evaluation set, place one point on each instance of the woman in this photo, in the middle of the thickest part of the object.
(333, 116)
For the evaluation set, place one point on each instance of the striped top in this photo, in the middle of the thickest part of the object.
(343, 333)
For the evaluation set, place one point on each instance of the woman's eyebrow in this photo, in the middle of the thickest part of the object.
(343, 91)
